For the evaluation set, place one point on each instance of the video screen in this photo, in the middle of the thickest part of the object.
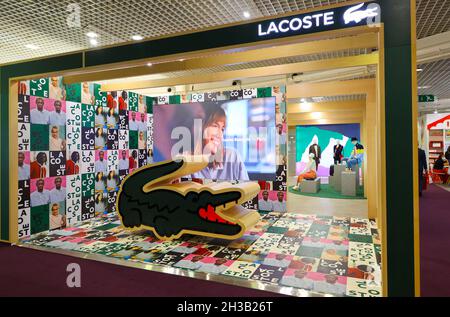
(237, 136)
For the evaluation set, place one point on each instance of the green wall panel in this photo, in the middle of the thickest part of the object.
(399, 141)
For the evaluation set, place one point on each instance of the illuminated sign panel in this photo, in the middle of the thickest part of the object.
(325, 20)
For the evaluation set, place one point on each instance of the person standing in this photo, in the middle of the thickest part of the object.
(422, 168)
(447, 154)
(337, 152)
(316, 150)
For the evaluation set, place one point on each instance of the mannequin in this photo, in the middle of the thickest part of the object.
(337, 152)
(315, 149)
(357, 155)
(309, 172)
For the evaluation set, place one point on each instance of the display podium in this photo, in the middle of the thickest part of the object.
(336, 180)
(348, 183)
(310, 186)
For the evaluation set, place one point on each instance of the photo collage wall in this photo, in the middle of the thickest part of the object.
(76, 144)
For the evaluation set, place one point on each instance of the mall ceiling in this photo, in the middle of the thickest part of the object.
(36, 28)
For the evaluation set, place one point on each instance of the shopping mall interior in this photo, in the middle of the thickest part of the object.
(256, 148)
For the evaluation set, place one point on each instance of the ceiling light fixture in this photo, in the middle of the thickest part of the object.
(435, 111)
(246, 14)
(419, 69)
(91, 35)
(149, 64)
(424, 87)
(181, 60)
(137, 37)
(93, 42)
(32, 46)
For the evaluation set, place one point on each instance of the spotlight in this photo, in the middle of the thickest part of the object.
(137, 37)
(91, 35)
(32, 46)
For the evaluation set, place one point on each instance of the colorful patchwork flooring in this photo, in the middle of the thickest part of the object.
(332, 255)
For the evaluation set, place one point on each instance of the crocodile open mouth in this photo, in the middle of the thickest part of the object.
(209, 213)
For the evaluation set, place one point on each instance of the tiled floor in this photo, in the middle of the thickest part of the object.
(334, 255)
(357, 208)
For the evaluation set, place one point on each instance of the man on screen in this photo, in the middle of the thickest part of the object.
(224, 163)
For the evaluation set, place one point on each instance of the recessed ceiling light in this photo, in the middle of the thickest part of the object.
(246, 14)
(93, 42)
(137, 37)
(181, 60)
(32, 46)
(91, 35)
(419, 69)
(424, 87)
(149, 64)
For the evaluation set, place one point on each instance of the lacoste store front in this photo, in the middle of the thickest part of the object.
(87, 120)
